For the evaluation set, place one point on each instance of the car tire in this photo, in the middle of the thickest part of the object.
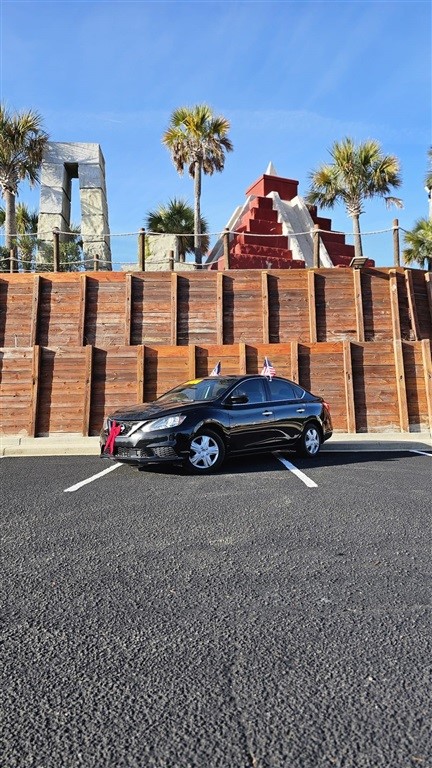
(310, 441)
(206, 453)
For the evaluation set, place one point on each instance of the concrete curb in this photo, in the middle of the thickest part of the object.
(76, 445)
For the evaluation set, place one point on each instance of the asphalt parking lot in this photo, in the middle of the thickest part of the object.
(275, 615)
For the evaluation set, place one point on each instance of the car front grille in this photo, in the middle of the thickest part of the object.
(133, 453)
(165, 453)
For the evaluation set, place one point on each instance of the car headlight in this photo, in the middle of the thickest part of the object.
(166, 422)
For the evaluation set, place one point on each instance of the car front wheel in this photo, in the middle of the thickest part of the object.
(206, 453)
(310, 441)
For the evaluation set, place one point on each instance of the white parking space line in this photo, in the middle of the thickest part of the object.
(90, 479)
(422, 453)
(301, 475)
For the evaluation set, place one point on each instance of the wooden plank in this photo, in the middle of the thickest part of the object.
(242, 358)
(35, 311)
(82, 310)
(349, 388)
(358, 301)
(219, 308)
(294, 361)
(412, 304)
(34, 391)
(174, 308)
(140, 373)
(192, 361)
(312, 306)
(427, 365)
(128, 302)
(87, 390)
(265, 306)
(394, 304)
(401, 386)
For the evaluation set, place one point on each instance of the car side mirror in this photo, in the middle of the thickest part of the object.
(237, 399)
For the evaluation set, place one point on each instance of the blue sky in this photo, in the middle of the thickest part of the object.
(292, 77)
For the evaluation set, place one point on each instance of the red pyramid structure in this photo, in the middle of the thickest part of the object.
(273, 229)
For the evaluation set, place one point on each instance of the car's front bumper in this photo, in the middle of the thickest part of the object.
(165, 447)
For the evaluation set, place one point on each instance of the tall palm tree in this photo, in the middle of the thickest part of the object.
(22, 142)
(177, 218)
(197, 139)
(358, 172)
(419, 242)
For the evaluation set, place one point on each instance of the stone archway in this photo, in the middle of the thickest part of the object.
(62, 162)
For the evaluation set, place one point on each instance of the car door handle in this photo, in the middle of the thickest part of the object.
(267, 413)
(301, 410)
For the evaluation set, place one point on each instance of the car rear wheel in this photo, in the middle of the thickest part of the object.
(206, 453)
(310, 441)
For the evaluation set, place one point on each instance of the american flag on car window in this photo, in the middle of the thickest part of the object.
(268, 369)
(216, 370)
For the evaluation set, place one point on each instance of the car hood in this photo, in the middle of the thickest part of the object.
(145, 411)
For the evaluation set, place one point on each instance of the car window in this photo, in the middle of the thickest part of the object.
(299, 392)
(198, 389)
(282, 390)
(254, 389)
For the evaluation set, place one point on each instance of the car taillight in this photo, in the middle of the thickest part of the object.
(326, 405)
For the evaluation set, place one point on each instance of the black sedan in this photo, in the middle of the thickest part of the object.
(198, 423)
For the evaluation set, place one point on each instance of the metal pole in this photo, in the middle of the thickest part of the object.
(11, 259)
(316, 246)
(141, 250)
(226, 251)
(56, 249)
(396, 246)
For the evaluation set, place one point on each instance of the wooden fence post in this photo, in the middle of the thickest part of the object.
(34, 390)
(174, 309)
(358, 300)
(349, 386)
(396, 247)
(141, 250)
(88, 351)
(56, 249)
(140, 373)
(265, 307)
(226, 252)
(401, 385)
(35, 311)
(316, 246)
(427, 365)
(219, 308)
(312, 306)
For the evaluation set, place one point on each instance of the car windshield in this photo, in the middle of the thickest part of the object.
(198, 389)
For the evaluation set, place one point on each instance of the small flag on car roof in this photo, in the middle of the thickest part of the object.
(267, 369)
(216, 370)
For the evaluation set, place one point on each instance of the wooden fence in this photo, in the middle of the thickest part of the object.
(77, 346)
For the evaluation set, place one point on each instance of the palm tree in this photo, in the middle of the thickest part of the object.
(22, 142)
(26, 229)
(419, 241)
(198, 139)
(177, 218)
(358, 172)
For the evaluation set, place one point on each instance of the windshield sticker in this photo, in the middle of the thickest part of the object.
(194, 381)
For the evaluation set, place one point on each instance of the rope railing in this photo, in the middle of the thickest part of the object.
(46, 251)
